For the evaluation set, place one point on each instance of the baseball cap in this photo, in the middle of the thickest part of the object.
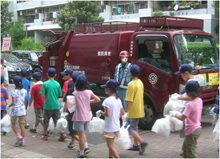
(81, 79)
(23, 71)
(184, 68)
(51, 71)
(192, 86)
(17, 79)
(75, 74)
(135, 69)
(67, 71)
(36, 75)
(113, 84)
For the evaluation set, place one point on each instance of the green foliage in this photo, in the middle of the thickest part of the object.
(30, 44)
(5, 18)
(200, 53)
(17, 33)
(158, 13)
(83, 11)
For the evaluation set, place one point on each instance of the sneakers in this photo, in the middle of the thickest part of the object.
(45, 137)
(134, 148)
(86, 151)
(142, 148)
(19, 142)
(62, 137)
(33, 130)
(81, 156)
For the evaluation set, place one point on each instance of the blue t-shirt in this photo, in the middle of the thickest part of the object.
(26, 86)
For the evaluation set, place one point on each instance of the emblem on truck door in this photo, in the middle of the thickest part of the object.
(152, 78)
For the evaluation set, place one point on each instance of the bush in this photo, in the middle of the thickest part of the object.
(30, 44)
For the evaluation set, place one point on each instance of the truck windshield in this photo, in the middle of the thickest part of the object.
(195, 50)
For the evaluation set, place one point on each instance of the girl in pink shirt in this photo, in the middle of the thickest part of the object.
(192, 117)
(82, 114)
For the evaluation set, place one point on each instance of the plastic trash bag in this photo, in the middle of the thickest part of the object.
(176, 124)
(96, 125)
(71, 103)
(61, 124)
(124, 140)
(216, 131)
(174, 104)
(51, 125)
(6, 123)
(162, 126)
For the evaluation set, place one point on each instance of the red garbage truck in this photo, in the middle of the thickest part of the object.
(159, 45)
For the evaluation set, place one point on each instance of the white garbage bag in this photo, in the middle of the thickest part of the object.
(174, 104)
(124, 140)
(51, 125)
(176, 124)
(61, 124)
(71, 103)
(6, 124)
(162, 126)
(216, 131)
(96, 125)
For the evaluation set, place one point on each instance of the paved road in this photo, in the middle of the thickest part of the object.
(159, 147)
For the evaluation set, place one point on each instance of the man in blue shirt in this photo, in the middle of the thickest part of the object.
(122, 75)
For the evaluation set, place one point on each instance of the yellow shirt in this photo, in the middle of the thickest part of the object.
(135, 95)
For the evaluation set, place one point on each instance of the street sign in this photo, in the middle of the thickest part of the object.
(6, 44)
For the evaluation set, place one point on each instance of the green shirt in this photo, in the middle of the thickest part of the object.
(51, 90)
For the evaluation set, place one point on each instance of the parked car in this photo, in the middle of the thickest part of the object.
(30, 57)
(14, 65)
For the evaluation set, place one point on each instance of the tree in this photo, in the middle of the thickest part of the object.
(79, 12)
(30, 44)
(17, 33)
(157, 13)
(5, 18)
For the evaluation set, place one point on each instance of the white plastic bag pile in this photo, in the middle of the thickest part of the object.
(124, 140)
(6, 124)
(216, 131)
(96, 125)
(165, 126)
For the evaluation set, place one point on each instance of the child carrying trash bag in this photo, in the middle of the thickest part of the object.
(113, 110)
(192, 117)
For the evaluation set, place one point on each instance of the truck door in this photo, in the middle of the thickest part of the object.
(154, 57)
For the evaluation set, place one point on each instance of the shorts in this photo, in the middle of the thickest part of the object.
(21, 119)
(133, 124)
(54, 114)
(111, 135)
(39, 114)
(80, 126)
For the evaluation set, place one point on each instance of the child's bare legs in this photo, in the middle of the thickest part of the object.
(22, 127)
(136, 136)
(112, 150)
(81, 142)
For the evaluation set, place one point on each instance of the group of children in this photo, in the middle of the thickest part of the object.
(45, 96)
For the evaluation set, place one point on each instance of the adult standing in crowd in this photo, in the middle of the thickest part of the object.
(4, 72)
(122, 75)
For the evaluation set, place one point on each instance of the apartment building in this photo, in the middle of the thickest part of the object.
(41, 15)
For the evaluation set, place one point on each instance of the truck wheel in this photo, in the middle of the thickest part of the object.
(147, 122)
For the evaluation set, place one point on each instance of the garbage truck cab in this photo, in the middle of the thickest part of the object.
(159, 45)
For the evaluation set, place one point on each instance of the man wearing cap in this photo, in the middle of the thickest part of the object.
(52, 91)
(66, 76)
(122, 75)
